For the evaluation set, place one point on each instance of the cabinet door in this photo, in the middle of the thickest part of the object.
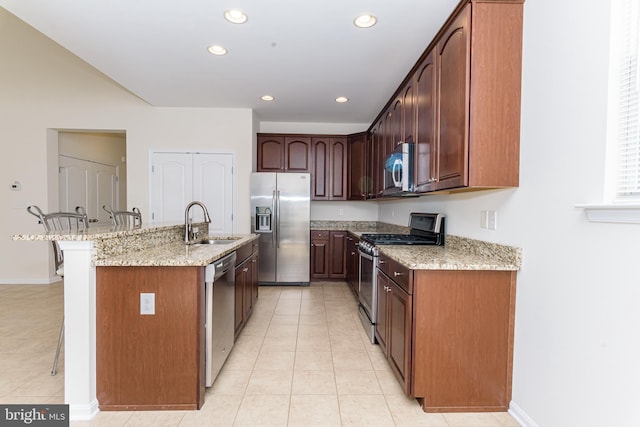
(352, 258)
(337, 250)
(254, 278)
(399, 332)
(319, 254)
(270, 153)
(426, 124)
(382, 289)
(358, 181)
(297, 153)
(248, 289)
(453, 102)
(338, 168)
(240, 277)
(408, 112)
(320, 170)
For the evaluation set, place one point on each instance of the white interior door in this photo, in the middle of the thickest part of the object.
(171, 186)
(213, 186)
(180, 178)
(88, 184)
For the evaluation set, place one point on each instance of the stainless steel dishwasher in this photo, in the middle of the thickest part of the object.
(219, 324)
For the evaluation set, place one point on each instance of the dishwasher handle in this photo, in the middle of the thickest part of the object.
(223, 265)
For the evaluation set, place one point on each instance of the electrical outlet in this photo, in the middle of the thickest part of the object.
(492, 220)
(147, 303)
(340, 212)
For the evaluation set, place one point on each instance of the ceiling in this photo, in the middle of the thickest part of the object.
(305, 53)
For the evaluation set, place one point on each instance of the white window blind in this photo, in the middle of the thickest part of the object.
(627, 182)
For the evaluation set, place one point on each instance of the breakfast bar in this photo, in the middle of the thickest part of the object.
(151, 245)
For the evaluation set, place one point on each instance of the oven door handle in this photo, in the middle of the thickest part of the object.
(366, 256)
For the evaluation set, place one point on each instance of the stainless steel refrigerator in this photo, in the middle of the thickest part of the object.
(280, 214)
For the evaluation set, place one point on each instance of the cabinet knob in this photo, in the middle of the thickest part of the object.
(253, 261)
(396, 274)
(353, 253)
(245, 269)
(381, 261)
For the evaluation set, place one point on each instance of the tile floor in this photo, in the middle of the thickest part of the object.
(303, 359)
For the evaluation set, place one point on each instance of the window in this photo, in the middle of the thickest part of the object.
(624, 110)
(622, 186)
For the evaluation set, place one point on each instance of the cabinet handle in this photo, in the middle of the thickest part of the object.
(245, 269)
(381, 261)
(353, 253)
(253, 261)
(396, 274)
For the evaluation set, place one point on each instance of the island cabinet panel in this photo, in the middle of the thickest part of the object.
(150, 361)
(353, 263)
(246, 284)
(462, 340)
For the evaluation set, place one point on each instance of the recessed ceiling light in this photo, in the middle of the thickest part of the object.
(235, 16)
(342, 99)
(267, 98)
(217, 50)
(365, 21)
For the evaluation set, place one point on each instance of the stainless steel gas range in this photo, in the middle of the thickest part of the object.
(425, 229)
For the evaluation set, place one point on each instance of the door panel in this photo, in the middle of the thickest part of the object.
(213, 186)
(88, 184)
(172, 186)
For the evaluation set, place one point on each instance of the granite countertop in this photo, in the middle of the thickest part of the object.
(176, 254)
(459, 253)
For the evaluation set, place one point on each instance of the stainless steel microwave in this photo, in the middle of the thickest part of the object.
(399, 170)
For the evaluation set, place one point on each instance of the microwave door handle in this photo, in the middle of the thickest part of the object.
(397, 173)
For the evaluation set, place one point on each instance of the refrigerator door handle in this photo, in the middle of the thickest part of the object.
(274, 224)
(278, 218)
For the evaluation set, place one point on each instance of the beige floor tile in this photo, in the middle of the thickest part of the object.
(313, 319)
(345, 343)
(279, 344)
(389, 383)
(248, 342)
(155, 419)
(364, 411)
(320, 344)
(275, 361)
(309, 331)
(285, 319)
(270, 382)
(105, 419)
(506, 420)
(313, 382)
(231, 382)
(263, 411)
(475, 419)
(282, 331)
(314, 411)
(357, 382)
(218, 411)
(407, 412)
(351, 361)
(241, 360)
(313, 361)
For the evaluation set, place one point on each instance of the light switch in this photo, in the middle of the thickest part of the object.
(147, 303)
(492, 220)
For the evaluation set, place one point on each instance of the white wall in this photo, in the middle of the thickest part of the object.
(44, 87)
(577, 339)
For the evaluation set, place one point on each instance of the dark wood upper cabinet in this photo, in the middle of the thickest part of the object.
(283, 153)
(297, 153)
(453, 105)
(270, 153)
(329, 181)
(408, 112)
(359, 182)
(426, 124)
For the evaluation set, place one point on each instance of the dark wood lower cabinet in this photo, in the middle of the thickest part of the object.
(150, 362)
(328, 249)
(448, 335)
(246, 278)
(352, 259)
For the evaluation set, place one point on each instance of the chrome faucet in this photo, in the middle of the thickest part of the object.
(190, 232)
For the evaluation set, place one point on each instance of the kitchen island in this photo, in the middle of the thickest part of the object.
(148, 246)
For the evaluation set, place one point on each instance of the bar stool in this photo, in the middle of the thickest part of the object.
(55, 222)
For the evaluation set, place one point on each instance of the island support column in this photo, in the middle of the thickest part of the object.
(80, 330)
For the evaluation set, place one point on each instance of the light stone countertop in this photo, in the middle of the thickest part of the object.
(459, 253)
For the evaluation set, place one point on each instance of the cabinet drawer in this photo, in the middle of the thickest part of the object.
(319, 235)
(397, 272)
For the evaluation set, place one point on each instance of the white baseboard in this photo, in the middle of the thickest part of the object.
(520, 416)
(84, 412)
(25, 281)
